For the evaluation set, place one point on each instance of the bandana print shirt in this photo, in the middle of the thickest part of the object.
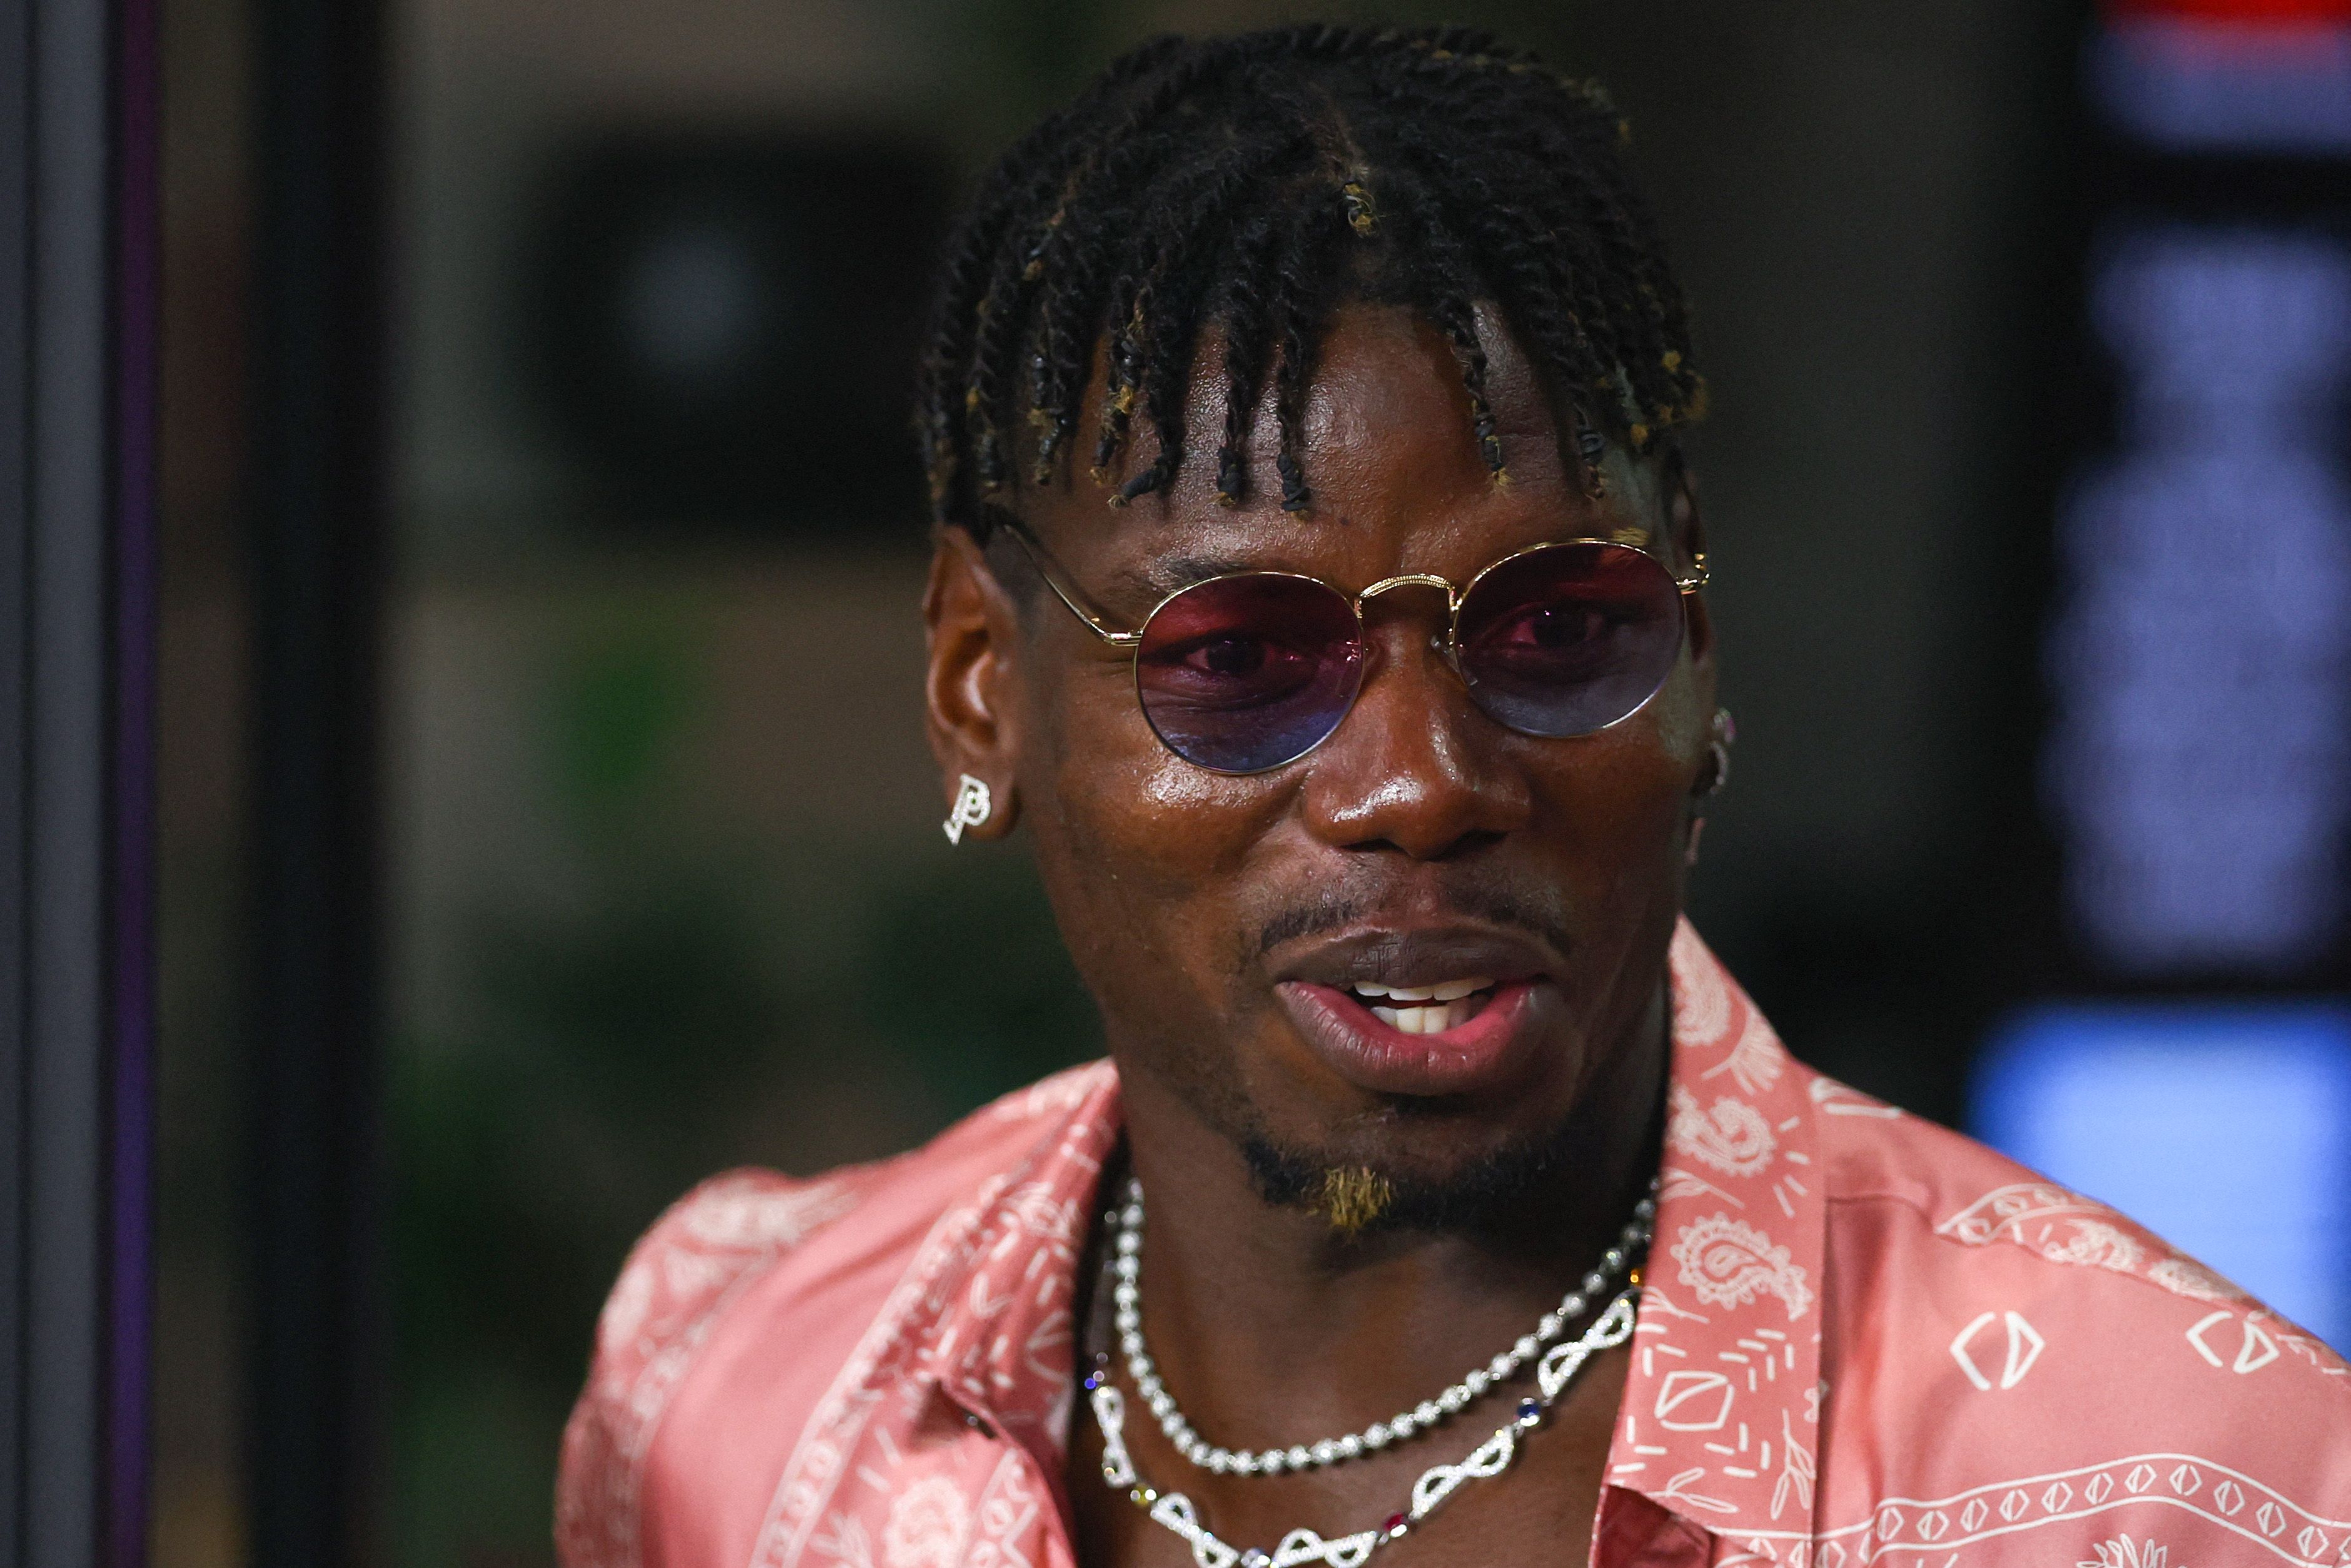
(1864, 1340)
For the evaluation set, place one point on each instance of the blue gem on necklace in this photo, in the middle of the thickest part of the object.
(1529, 1411)
(1093, 1380)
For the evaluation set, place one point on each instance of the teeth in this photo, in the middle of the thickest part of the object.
(1432, 1020)
(1450, 991)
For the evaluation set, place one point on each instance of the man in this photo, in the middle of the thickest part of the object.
(1318, 578)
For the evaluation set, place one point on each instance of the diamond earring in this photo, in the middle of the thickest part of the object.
(973, 805)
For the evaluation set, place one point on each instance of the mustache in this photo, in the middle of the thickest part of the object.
(1539, 911)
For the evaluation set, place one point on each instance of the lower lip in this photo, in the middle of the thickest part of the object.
(1473, 1057)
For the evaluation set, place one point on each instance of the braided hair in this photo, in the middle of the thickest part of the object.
(1257, 182)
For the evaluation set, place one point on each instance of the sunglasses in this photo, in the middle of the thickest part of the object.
(1250, 670)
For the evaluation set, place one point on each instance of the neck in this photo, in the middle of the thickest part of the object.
(1273, 1327)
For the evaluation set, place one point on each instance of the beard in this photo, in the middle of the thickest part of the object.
(1378, 1172)
(1357, 1197)
(1354, 1188)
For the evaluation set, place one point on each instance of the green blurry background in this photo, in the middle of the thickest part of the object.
(666, 889)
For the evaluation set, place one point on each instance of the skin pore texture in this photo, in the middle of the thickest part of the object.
(1421, 841)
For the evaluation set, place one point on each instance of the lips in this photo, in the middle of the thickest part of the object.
(1422, 1012)
(1482, 1054)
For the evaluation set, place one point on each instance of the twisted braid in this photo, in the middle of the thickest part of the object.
(1245, 313)
(1256, 182)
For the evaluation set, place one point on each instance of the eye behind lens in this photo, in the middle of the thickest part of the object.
(1570, 639)
(1246, 673)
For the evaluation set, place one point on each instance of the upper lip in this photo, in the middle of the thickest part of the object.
(1418, 955)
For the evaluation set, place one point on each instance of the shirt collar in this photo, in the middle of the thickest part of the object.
(1000, 1342)
(1720, 1415)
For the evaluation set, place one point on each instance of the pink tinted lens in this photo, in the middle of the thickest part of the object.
(1569, 639)
(1247, 672)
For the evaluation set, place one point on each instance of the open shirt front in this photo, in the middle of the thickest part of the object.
(1863, 1339)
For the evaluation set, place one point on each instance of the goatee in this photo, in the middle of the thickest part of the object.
(1358, 1199)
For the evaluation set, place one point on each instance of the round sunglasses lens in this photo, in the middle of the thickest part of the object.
(1570, 639)
(1247, 672)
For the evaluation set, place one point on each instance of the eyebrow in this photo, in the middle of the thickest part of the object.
(1172, 574)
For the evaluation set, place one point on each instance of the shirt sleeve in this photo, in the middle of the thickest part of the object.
(677, 1282)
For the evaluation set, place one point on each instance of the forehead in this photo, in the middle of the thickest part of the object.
(1389, 448)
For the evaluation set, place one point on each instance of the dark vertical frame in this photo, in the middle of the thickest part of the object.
(137, 279)
(77, 280)
(317, 487)
(15, 449)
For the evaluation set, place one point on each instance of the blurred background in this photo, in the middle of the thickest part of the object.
(2029, 325)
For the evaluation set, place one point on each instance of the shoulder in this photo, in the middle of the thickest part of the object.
(754, 1262)
(1968, 1210)
(1995, 1340)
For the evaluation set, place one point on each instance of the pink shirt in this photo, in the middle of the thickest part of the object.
(1864, 1340)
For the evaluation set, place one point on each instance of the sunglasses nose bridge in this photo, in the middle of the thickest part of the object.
(1411, 580)
(1440, 636)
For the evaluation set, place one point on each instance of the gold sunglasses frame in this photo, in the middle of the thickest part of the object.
(1075, 601)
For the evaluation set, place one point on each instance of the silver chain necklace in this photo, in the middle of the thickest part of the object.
(1302, 1546)
(1125, 1235)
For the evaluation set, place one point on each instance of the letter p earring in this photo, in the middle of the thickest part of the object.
(973, 806)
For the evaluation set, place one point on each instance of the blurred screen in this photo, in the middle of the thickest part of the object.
(2198, 766)
(2195, 763)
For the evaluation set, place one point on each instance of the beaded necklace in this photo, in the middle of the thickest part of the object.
(1556, 1364)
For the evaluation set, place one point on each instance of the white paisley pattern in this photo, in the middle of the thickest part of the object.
(1728, 1262)
(1733, 1137)
(2124, 1552)
(712, 1245)
(2185, 1276)
(741, 1214)
(927, 1521)
(2096, 1245)
(1702, 999)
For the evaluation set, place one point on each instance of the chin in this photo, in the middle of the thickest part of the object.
(1417, 1171)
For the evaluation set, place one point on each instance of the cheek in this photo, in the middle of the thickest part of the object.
(1135, 840)
(1682, 716)
(1170, 829)
(1617, 802)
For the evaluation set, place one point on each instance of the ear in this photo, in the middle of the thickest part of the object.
(1685, 526)
(972, 630)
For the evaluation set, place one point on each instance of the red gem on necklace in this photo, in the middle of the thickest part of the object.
(1395, 1525)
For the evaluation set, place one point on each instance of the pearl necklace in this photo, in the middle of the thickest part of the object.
(1125, 1230)
(1179, 1515)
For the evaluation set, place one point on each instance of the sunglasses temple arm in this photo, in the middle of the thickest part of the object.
(1070, 597)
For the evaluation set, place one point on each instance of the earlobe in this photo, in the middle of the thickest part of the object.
(967, 688)
(1712, 780)
(1686, 525)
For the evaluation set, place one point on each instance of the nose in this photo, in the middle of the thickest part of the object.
(1414, 768)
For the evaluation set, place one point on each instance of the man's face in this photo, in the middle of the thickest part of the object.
(1232, 927)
